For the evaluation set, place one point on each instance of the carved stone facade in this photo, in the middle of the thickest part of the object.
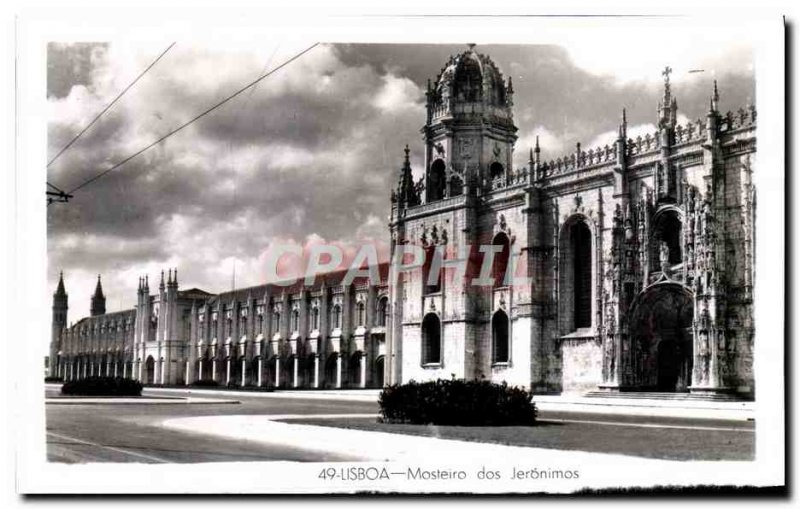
(635, 265)
(639, 254)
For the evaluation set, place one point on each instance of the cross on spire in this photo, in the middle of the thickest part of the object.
(666, 72)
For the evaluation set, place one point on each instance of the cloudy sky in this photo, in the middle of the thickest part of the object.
(311, 153)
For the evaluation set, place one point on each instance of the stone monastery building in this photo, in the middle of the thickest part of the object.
(639, 258)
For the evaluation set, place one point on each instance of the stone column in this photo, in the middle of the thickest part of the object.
(124, 370)
(296, 366)
(187, 379)
(316, 371)
(277, 372)
(362, 366)
(244, 371)
(228, 371)
(260, 371)
(200, 369)
(338, 370)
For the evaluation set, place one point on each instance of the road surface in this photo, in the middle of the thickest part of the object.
(131, 432)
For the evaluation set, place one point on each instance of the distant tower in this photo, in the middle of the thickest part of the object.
(98, 300)
(60, 306)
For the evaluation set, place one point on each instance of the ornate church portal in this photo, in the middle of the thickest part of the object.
(660, 351)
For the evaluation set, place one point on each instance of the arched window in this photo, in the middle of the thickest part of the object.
(436, 181)
(337, 316)
(581, 244)
(295, 320)
(500, 337)
(434, 286)
(431, 339)
(496, 171)
(500, 263)
(260, 315)
(468, 81)
(383, 312)
(276, 322)
(150, 370)
(360, 314)
(314, 318)
(243, 319)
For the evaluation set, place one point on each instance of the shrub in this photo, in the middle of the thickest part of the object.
(102, 386)
(205, 383)
(50, 379)
(457, 403)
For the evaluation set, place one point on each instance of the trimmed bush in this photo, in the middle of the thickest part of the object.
(457, 403)
(102, 386)
(205, 383)
(51, 379)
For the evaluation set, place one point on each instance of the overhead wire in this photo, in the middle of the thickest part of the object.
(108, 107)
(195, 119)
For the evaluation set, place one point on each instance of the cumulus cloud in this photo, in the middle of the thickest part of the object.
(549, 145)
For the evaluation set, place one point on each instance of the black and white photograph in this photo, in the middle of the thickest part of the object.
(460, 255)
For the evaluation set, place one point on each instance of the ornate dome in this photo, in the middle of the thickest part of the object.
(471, 77)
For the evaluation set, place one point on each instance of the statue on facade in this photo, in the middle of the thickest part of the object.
(663, 256)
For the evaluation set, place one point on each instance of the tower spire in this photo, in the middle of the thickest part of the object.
(60, 307)
(668, 106)
(715, 98)
(406, 194)
(98, 289)
(98, 299)
(60, 291)
(667, 92)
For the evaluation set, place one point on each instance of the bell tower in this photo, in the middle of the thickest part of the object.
(469, 132)
(443, 321)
